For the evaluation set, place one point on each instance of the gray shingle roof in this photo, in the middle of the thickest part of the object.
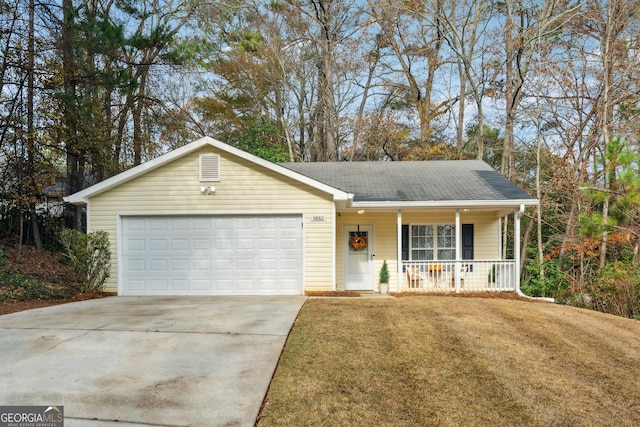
(446, 180)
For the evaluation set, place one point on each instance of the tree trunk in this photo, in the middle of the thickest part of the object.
(74, 171)
(461, 106)
(606, 115)
(525, 243)
(326, 119)
(31, 143)
(138, 135)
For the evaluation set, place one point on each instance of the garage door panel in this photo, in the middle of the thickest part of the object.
(214, 255)
(135, 244)
(158, 284)
(180, 285)
(157, 224)
(244, 244)
(201, 244)
(201, 224)
(158, 266)
(223, 285)
(177, 224)
(202, 284)
(135, 224)
(200, 265)
(136, 285)
(269, 243)
(246, 285)
(267, 285)
(179, 245)
(158, 245)
(180, 265)
(289, 286)
(136, 265)
(222, 244)
(289, 243)
(244, 223)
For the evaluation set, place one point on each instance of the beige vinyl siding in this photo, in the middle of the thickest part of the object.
(486, 232)
(244, 187)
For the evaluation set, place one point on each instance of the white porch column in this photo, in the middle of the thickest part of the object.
(399, 254)
(516, 246)
(458, 266)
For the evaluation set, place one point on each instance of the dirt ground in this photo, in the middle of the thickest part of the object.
(39, 265)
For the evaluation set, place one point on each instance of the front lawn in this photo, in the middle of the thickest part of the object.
(446, 361)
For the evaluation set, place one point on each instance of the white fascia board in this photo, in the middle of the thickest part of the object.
(485, 204)
(82, 197)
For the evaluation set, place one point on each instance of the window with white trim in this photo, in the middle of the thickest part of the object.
(432, 242)
(209, 167)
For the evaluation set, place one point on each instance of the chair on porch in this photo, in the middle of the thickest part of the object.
(435, 271)
(414, 278)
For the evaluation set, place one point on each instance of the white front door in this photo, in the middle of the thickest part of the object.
(358, 260)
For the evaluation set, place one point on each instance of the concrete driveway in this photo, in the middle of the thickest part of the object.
(151, 361)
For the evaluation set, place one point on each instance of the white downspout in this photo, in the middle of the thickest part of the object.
(516, 255)
(399, 251)
(458, 266)
(516, 247)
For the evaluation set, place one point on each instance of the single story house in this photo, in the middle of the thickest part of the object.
(210, 219)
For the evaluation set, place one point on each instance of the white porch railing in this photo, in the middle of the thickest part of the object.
(475, 275)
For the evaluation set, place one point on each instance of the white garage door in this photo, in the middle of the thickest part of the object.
(211, 255)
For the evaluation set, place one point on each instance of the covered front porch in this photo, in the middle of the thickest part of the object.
(457, 268)
(428, 250)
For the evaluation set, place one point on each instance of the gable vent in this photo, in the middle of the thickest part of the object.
(210, 167)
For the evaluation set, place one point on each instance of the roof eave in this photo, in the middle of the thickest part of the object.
(81, 198)
(515, 203)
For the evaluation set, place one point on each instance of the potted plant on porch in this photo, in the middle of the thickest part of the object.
(384, 278)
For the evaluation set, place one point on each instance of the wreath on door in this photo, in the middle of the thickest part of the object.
(358, 243)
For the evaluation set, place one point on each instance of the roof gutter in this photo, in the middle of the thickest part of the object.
(447, 204)
(76, 201)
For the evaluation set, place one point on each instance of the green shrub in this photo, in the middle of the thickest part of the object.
(616, 290)
(384, 273)
(16, 286)
(89, 256)
(553, 284)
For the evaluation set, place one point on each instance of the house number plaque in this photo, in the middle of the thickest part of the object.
(318, 218)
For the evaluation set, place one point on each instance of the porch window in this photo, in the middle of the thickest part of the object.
(432, 242)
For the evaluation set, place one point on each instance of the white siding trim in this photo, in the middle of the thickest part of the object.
(334, 239)
(88, 217)
(119, 233)
(399, 249)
